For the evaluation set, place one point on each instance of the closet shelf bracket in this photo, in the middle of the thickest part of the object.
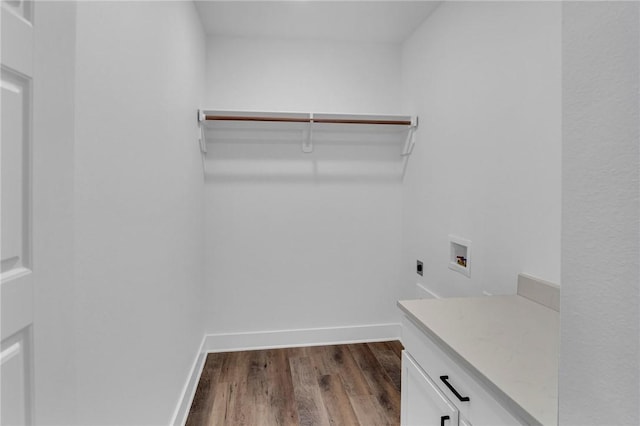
(410, 142)
(307, 140)
(202, 140)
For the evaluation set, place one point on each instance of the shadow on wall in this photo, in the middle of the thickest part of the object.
(276, 152)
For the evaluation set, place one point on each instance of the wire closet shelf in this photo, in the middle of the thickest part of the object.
(309, 121)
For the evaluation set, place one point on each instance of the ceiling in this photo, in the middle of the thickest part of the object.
(372, 21)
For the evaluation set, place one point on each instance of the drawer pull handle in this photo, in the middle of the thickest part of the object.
(443, 419)
(452, 389)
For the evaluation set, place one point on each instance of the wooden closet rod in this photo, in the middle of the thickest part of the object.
(307, 120)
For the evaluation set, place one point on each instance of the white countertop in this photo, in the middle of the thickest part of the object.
(510, 342)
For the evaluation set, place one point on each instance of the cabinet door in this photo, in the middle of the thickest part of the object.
(422, 403)
(463, 422)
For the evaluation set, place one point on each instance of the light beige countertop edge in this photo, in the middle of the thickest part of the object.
(509, 343)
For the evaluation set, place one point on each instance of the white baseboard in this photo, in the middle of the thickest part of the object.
(228, 342)
(189, 390)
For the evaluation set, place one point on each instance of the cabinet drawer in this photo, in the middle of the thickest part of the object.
(423, 403)
(481, 408)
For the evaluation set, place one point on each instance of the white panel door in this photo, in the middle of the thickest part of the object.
(16, 269)
(422, 403)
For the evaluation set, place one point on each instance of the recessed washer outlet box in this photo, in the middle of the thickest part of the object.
(460, 255)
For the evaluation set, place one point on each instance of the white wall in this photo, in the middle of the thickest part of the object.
(302, 75)
(484, 79)
(304, 249)
(599, 349)
(138, 208)
(53, 163)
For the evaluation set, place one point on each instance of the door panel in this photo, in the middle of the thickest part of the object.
(17, 49)
(15, 365)
(16, 269)
(16, 194)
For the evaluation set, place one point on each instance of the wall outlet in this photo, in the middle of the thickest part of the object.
(419, 267)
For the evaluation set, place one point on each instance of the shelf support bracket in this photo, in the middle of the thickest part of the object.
(411, 141)
(307, 142)
(202, 140)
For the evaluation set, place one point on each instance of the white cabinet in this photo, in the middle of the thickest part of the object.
(423, 404)
(433, 382)
(463, 422)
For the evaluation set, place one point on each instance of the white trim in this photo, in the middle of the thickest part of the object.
(189, 390)
(227, 342)
(14, 273)
(10, 352)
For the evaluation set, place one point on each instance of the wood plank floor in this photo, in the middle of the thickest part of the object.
(357, 384)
